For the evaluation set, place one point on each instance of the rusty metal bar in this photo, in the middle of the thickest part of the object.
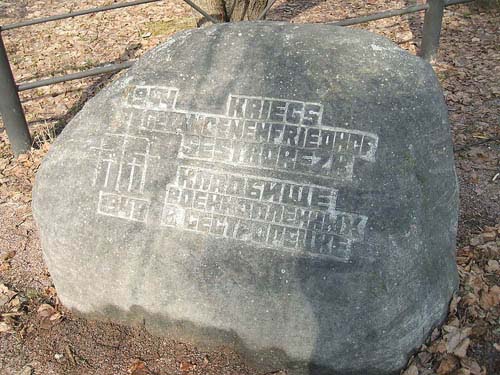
(36, 21)
(432, 29)
(70, 77)
(381, 15)
(77, 13)
(11, 108)
(375, 16)
(199, 10)
(455, 2)
(266, 9)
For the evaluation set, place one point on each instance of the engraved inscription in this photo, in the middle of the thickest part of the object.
(120, 173)
(265, 133)
(207, 196)
(269, 212)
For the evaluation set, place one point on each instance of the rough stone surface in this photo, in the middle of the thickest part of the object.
(286, 190)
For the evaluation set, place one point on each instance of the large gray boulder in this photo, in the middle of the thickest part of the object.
(285, 190)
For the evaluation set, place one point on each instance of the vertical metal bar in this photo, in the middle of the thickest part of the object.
(432, 29)
(10, 107)
(270, 3)
(199, 10)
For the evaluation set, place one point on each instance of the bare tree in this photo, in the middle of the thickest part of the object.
(232, 10)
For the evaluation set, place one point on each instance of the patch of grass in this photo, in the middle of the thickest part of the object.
(44, 134)
(170, 26)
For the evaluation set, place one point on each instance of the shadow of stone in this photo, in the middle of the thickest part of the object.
(51, 95)
(204, 338)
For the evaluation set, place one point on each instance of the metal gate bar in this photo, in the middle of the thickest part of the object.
(82, 12)
(70, 77)
(266, 9)
(375, 16)
(432, 27)
(10, 107)
(381, 15)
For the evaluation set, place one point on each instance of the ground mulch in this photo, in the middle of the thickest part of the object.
(39, 336)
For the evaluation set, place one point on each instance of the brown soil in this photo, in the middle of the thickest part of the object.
(38, 336)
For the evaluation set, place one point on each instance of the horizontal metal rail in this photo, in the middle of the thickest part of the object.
(71, 77)
(456, 2)
(392, 13)
(77, 13)
(379, 16)
(83, 12)
(105, 8)
(375, 16)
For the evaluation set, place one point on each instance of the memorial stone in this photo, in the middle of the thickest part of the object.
(285, 190)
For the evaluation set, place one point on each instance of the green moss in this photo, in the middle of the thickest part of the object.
(32, 293)
(410, 160)
(442, 75)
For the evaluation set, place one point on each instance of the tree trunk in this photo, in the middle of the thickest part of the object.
(231, 10)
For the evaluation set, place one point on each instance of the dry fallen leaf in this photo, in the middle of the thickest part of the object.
(454, 322)
(138, 367)
(490, 298)
(186, 366)
(476, 240)
(470, 299)
(412, 370)
(472, 366)
(45, 310)
(493, 266)
(5, 266)
(455, 337)
(438, 347)
(26, 370)
(23, 157)
(48, 315)
(447, 365)
(15, 303)
(453, 304)
(8, 255)
(489, 236)
(6, 294)
(425, 358)
(71, 356)
(4, 327)
(461, 349)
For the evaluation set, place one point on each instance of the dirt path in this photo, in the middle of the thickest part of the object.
(38, 336)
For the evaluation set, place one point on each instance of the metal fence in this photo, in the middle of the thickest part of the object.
(10, 104)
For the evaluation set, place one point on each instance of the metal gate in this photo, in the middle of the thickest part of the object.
(13, 113)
